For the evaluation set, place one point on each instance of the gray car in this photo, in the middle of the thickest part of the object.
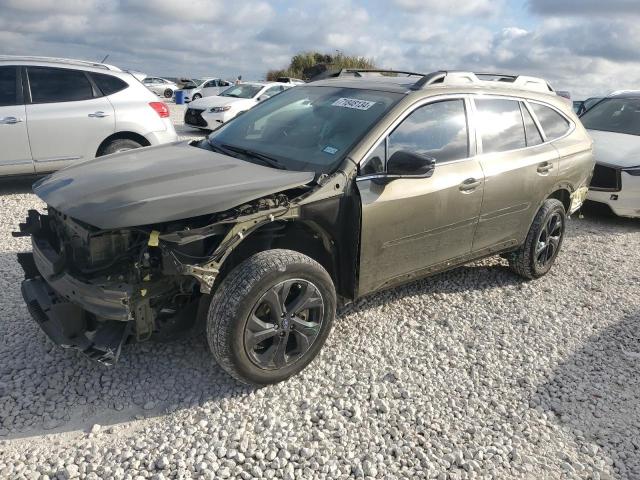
(54, 112)
(318, 196)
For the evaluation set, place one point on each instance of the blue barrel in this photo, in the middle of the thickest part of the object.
(179, 97)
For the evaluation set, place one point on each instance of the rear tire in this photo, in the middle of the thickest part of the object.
(168, 93)
(119, 145)
(196, 96)
(540, 249)
(270, 316)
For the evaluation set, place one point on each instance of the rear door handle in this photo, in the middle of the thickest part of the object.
(544, 168)
(98, 115)
(10, 120)
(469, 185)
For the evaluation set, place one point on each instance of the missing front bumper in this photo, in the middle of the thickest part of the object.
(70, 326)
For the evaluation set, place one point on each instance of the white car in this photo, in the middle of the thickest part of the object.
(614, 125)
(160, 86)
(208, 87)
(54, 112)
(210, 112)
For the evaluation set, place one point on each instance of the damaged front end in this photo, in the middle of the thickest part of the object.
(94, 290)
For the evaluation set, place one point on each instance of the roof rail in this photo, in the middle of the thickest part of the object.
(357, 72)
(65, 61)
(470, 78)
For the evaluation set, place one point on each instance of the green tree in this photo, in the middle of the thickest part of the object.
(307, 60)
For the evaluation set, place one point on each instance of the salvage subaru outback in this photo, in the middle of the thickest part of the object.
(318, 196)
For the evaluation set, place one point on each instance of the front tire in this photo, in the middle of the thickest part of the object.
(168, 93)
(196, 96)
(540, 249)
(270, 316)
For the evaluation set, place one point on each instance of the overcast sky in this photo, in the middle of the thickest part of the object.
(585, 46)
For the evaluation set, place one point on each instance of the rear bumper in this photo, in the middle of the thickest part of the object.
(167, 135)
(626, 201)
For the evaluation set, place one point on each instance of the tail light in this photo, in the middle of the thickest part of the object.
(161, 109)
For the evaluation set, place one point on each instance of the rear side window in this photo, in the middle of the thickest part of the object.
(500, 125)
(50, 85)
(531, 130)
(553, 124)
(8, 83)
(108, 84)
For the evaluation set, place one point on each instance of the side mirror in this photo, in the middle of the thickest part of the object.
(262, 98)
(410, 164)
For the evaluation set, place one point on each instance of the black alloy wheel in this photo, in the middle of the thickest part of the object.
(549, 240)
(284, 324)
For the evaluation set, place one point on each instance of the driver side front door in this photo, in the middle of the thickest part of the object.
(412, 226)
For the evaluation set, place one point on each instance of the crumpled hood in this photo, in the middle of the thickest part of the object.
(217, 101)
(616, 149)
(159, 184)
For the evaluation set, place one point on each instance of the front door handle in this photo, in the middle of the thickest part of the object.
(10, 120)
(469, 185)
(98, 115)
(544, 168)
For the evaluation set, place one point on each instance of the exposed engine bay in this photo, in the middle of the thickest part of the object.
(94, 289)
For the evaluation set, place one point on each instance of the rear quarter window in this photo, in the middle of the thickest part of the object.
(108, 84)
(553, 124)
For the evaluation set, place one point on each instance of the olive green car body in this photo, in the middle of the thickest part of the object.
(165, 229)
(412, 227)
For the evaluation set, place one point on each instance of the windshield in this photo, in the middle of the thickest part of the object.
(307, 128)
(244, 90)
(620, 115)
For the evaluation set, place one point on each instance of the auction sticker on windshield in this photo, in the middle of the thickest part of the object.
(353, 103)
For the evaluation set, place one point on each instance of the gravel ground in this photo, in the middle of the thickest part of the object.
(470, 374)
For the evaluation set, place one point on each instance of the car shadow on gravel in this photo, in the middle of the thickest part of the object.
(21, 184)
(489, 273)
(600, 220)
(594, 395)
(46, 389)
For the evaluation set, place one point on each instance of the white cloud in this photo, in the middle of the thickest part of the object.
(451, 7)
(577, 52)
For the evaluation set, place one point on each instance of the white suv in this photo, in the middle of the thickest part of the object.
(57, 111)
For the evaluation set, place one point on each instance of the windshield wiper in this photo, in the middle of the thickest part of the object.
(266, 159)
(220, 149)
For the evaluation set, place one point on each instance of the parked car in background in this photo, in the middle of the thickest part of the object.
(188, 85)
(296, 81)
(317, 197)
(581, 106)
(577, 105)
(614, 125)
(56, 111)
(207, 87)
(160, 86)
(209, 112)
